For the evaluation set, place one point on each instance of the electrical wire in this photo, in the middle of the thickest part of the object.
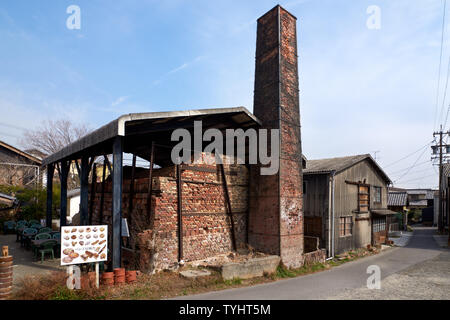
(409, 155)
(417, 165)
(421, 155)
(440, 64)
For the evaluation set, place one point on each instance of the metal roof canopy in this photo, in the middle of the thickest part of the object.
(140, 129)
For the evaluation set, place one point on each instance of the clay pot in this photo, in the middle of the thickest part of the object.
(119, 280)
(108, 278)
(119, 272)
(130, 276)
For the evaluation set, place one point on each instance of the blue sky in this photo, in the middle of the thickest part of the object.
(361, 90)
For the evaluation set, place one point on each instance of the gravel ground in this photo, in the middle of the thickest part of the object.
(428, 280)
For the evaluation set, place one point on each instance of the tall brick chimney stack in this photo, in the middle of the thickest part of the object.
(276, 201)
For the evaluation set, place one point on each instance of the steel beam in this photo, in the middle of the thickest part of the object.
(65, 166)
(50, 170)
(93, 189)
(102, 195)
(180, 213)
(228, 202)
(84, 193)
(150, 186)
(117, 201)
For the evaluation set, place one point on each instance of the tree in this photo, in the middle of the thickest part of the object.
(53, 135)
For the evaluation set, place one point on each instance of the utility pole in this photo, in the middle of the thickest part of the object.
(441, 134)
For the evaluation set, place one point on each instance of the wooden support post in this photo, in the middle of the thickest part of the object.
(117, 201)
(84, 193)
(150, 186)
(64, 169)
(93, 188)
(228, 201)
(50, 171)
(180, 213)
(102, 196)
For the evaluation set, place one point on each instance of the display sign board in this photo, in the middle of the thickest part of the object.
(84, 244)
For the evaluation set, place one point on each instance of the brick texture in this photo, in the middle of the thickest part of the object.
(206, 224)
(276, 219)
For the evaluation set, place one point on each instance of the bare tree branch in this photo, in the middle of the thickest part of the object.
(53, 135)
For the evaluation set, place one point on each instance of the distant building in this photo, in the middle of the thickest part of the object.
(346, 203)
(17, 167)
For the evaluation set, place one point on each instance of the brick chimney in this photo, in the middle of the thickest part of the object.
(276, 201)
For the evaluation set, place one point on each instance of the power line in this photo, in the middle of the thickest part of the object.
(409, 155)
(421, 155)
(431, 175)
(423, 170)
(11, 126)
(440, 65)
(417, 165)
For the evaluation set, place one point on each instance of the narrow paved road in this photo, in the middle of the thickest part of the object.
(337, 282)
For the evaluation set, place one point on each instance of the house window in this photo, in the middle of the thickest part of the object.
(345, 226)
(363, 198)
(379, 224)
(377, 195)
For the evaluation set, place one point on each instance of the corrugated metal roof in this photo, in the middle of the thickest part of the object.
(397, 199)
(419, 203)
(429, 194)
(340, 164)
(157, 124)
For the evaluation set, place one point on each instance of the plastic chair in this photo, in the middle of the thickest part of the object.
(56, 235)
(39, 236)
(37, 226)
(47, 247)
(42, 236)
(34, 222)
(45, 230)
(9, 227)
(27, 234)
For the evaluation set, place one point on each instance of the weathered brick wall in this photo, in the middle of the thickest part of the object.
(206, 225)
(276, 201)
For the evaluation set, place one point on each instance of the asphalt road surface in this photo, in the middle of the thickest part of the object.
(418, 271)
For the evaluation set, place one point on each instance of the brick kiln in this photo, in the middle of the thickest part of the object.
(189, 212)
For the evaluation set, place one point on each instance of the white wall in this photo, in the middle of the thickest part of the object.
(74, 207)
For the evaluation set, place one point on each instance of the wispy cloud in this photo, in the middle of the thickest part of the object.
(118, 101)
(178, 69)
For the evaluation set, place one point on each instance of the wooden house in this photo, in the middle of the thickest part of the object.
(345, 203)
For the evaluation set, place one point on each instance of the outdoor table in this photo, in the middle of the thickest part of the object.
(35, 244)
